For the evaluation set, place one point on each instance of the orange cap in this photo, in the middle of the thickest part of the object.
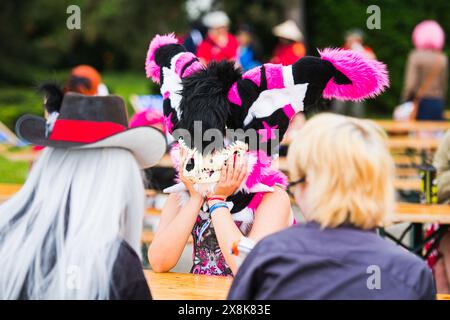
(88, 72)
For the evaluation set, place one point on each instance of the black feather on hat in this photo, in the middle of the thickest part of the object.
(53, 96)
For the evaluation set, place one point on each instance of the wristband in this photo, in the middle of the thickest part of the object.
(216, 206)
(215, 198)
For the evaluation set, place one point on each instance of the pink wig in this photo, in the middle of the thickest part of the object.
(369, 77)
(152, 70)
(428, 35)
(147, 117)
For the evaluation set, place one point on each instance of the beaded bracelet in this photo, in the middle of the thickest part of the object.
(216, 206)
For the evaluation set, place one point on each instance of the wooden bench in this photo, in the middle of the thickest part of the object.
(417, 144)
(401, 159)
(398, 127)
(407, 184)
(406, 172)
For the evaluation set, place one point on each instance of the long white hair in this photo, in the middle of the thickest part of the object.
(59, 234)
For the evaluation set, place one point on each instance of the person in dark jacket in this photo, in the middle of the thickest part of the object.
(343, 184)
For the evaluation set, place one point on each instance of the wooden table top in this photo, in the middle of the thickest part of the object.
(187, 286)
(393, 126)
(422, 213)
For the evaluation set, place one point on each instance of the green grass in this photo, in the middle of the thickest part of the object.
(13, 171)
(16, 101)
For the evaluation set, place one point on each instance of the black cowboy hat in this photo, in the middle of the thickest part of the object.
(87, 122)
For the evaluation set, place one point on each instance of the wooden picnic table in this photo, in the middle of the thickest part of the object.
(416, 215)
(187, 286)
(422, 213)
(392, 126)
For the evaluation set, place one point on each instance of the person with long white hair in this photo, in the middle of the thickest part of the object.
(73, 230)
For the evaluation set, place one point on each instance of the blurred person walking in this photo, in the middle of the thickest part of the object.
(354, 40)
(248, 50)
(86, 80)
(290, 46)
(426, 72)
(194, 36)
(219, 44)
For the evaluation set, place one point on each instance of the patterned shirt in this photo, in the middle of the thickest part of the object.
(207, 255)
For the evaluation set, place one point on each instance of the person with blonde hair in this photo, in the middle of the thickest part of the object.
(343, 184)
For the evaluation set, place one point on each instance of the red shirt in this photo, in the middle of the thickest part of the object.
(288, 54)
(208, 50)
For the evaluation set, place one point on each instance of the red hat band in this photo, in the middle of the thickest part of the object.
(84, 131)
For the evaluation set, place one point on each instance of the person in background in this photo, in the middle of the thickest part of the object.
(158, 177)
(195, 36)
(426, 73)
(342, 177)
(219, 44)
(248, 48)
(354, 40)
(73, 231)
(290, 47)
(86, 80)
(439, 260)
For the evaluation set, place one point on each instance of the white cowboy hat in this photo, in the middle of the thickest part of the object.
(216, 19)
(87, 122)
(288, 30)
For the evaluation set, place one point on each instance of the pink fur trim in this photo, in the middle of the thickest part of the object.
(274, 76)
(233, 95)
(289, 111)
(253, 75)
(369, 77)
(152, 70)
(182, 60)
(262, 172)
(256, 200)
(428, 35)
(193, 68)
(175, 156)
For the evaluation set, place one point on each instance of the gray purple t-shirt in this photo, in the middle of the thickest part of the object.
(308, 262)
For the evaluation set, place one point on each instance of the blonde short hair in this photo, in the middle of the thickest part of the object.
(348, 168)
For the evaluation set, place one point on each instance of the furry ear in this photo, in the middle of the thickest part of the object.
(204, 98)
(357, 77)
(53, 96)
(152, 69)
(225, 72)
